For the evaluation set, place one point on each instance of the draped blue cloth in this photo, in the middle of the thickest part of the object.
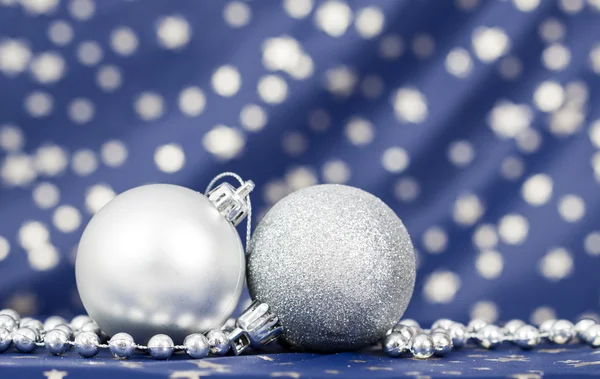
(476, 121)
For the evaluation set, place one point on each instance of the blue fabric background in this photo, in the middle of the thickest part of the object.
(474, 120)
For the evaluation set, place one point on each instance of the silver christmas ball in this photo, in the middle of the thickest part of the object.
(562, 331)
(56, 342)
(422, 346)
(86, 344)
(395, 344)
(335, 264)
(121, 345)
(526, 337)
(5, 339)
(161, 346)
(160, 259)
(196, 345)
(24, 339)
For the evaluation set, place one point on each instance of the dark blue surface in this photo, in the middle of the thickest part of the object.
(474, 98)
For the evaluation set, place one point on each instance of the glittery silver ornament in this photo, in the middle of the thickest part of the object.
(335, 264)
(163, 259)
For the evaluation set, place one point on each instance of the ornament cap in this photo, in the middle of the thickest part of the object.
(257, 326)
(232, 202)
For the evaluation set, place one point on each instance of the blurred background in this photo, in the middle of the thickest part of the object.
(476, 121)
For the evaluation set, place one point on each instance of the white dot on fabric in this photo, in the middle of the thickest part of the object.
(33, 234)
(109, 78)
(98, 196)
(537, 189)
(571, 208)
(468, 209)
(82, 10)
(333, 17)
(60, 33)
(461, 153)
(4, 248)
(591, 244)
(407, 189)
(489, 264)
(84, 162)
(169, 158)
(226, 81)
(548, 96)
(81, 111)
(510, 68)
(39, 7)
(39, 104)
(173, 32)
(485, 237)
(123, 41)
(423, 46)
(14, 56)
(467, 5)
(340, 81)
(192, 101)
(51, 160)
(237, 14)
(294, 143)
(359, 131)
(571, 6)
(46, 195)
(114, 153)
(319, 120)
(298, 8)
(556, 57)
(595, 58)
(542, 314)
(395, 159)
(512, 168)
(369, 22)
(275, 190)
(526, 5)
(18, 170)
(372, 86)
(435, 240)
(272, 89)
(557, 264)
(552, 30)
(507, 120)
(66, 218)
(391, 46)
(48, 67)
(253, 117)
(44, 257)
(149, 106)
(441, 287)
(485, 310)
(459, 62)
(489, 44)
(410, 105)
(89, 53)
(336, 171)
(529, 140)
(224, 142)
(513, 229)
(566, 121)
(11, 138)
(594, 133)
(300, 177)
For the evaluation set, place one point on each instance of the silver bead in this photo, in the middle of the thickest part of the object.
(562, 331)
(458, 334)
(79, 321)
(8, 323)
(53, 321)
(407, 331)
(442, 323)
(582, 326)
(526, 337)
(421, 346)
(65, 328)
(511, 326)
(86, 344)
(12, 313)
(5, 339)
(411, 323)
(24, 339)
(196, 345)
(91, 327)
(161, 346)
(476, 325)
(33, 324)
(442, 343)
(546, 326)
(121, 345)
(395, 344)
(490, 336)
(218, 341)
(56, 342)
(592, 335)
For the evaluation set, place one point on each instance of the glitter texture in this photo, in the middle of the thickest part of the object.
(335, 264)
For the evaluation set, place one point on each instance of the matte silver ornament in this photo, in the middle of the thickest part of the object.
(161, 346)
(56, 342)
(395, 344)
(163, 259)
(196, 345)
(422, 346)
(86, 344)
(335, 264)
(526, 337)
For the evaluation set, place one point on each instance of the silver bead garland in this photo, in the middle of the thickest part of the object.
(407, 338)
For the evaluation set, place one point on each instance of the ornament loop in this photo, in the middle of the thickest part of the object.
(233, 203)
